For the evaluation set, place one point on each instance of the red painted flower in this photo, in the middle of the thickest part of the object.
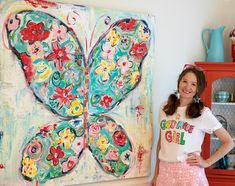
(106, 101)
(64, 95)
(138, 50)
(34, 32)
(59, 55)
(128, 25)
(119, 137)
(55, 155)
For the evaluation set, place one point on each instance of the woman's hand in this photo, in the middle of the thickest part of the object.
(194, 159)
(154, 182)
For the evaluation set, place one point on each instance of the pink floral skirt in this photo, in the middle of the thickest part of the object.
(180, 174)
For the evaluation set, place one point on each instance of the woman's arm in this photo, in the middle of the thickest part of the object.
(157, 161)
(226, 146)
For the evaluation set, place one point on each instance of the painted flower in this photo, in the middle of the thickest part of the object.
(126, 157)
(47, 129)
(34, 150)
(143, 32)
(113, 37)
(69, 164)
(138, 50)
(134, 77)
(125, 42)
(66, 137)
(124, 64)
(104, 69)
(13, 22)
(106, 101)
(120, 83)
(58, 32)
(64, 95)
(34, 32)
(128, 25)
(112, 154)
(36, 50)
(59, 55)
(77, 145)
(102, 143)
(119, 137)
(76, 108)
(43, 71)
(94, 130)
(111, 126)
(55, 155)
(29, 168)
(108, 51)
(72, 74)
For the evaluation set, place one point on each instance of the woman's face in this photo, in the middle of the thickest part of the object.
(188, 87)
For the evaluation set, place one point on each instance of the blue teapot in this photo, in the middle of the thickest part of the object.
(215, 50)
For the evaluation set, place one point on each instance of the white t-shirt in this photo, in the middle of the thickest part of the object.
(181, 135)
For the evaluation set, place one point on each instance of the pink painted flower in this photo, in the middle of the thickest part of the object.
(77, 145)
(124, 64)
(108, 51)
(69, 164)
(36, 50)
(111, 126)
(94, 130)
(34, 150)
(58, 32)
(112, 154)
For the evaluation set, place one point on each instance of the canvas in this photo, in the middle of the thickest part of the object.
(75, 93)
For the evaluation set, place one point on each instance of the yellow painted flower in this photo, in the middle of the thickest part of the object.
(91, 139)
(43, 71)
(104, 69)
(76, 108)
(113, 37)
(102, 143)
(29, 168)
(134, 78)
(66, 137)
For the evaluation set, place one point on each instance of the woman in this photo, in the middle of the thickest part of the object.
(184, 120)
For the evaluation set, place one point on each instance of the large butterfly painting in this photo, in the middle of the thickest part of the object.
(82, 77)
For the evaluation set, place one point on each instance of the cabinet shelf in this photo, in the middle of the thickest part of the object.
(220, 103)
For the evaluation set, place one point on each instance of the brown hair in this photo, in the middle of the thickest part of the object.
(193, 109)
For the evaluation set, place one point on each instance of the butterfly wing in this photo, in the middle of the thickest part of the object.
(52, 60)
(53, 152)
(115, 63)
(110, 145)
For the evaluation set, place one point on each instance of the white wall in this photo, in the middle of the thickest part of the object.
(179, 24)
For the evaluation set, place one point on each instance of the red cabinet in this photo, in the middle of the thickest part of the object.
(219, 76)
